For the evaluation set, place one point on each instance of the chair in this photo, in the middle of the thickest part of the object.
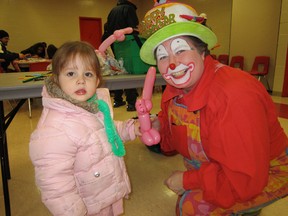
(237, 62)
(224, 59)
(260, 69)
(36, 66)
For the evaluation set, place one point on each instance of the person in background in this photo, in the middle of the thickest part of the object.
(77, 148)
(37, 50)
(220, 119)
(51, 50)
(7, 57)
(122, 16)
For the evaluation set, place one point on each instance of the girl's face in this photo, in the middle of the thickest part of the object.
(78, 81)
(179, 62)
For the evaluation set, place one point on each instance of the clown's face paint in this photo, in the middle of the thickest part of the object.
(180, 63)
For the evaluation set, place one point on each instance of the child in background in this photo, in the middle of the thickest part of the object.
(76, 149)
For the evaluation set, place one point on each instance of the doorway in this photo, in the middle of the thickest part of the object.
(91, 30)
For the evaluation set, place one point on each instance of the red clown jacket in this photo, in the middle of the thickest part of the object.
(239, 129)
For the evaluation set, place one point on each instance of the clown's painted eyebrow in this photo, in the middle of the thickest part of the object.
(179, 44)
(161, 52)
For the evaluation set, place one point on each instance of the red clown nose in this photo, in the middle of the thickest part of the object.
(172, 66)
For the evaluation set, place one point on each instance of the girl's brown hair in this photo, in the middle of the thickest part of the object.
(69, 51)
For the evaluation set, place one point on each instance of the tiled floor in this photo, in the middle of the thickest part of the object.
(147, 170)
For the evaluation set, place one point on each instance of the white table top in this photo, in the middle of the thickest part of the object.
(12, 87)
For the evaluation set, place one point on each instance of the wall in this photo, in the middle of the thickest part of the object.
(254, 31)
(282, 48)
(52, 21)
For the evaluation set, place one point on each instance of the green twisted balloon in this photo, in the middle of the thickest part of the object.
(111, 132)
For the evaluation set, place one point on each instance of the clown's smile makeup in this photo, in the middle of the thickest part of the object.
(180, 74)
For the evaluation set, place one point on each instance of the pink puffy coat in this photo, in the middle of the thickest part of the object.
(75, 168)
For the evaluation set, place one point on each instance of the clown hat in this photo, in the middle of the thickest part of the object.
(170, 19)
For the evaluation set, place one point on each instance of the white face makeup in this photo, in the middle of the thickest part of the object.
(179, 62)
(179, 45)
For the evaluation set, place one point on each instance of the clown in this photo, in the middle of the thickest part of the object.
(220, 119)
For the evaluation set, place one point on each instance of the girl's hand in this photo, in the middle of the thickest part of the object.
(137, 130)
(175, 182)
(155, 123)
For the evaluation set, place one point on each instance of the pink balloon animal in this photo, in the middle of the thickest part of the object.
(150, 136)
(118, 35)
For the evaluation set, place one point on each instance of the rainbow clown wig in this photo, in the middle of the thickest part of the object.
(169, 19)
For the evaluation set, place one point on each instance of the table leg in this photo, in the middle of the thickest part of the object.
(4, 165)
(5, 168)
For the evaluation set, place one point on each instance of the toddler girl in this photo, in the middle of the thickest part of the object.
(76, 149)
